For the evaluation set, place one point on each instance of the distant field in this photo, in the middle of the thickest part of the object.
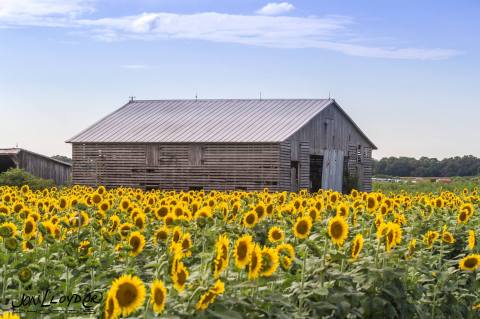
(426, 185)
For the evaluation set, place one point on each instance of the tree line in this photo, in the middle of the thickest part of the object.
(468, 165)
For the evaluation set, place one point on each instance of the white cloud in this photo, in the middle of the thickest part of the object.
(330, 32)
(53, 13)
(276, 8)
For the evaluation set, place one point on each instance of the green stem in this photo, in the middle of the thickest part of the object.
(304, 267)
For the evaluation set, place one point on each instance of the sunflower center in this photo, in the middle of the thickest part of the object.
(276, 235)
(182, 277)
(242, 250)
(162, 235)
(28, 228)
(250, 219)
(254, 262)
(337, 230)
(302, 227)
(158, 296)
(471, 262)
(135, 242)
(126, 294)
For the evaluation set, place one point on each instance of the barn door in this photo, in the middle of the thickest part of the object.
(316, 168)
(333, 170)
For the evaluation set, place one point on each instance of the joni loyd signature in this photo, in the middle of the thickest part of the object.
(46, 300)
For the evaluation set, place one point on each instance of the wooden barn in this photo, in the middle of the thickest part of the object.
(279, 144)
(36, 164)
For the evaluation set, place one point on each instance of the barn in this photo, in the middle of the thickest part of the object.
(225, 144)
(36, 164)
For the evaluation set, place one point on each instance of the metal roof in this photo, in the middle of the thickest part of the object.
(203, 121)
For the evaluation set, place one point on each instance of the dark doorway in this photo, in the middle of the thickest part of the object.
(5, 163)
(295, 175)
(316, 167)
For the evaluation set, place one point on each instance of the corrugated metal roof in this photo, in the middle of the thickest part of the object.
(214, 121)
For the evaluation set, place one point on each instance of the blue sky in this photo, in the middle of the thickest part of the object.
(406, 71)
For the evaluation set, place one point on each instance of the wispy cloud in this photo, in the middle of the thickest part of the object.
(330, 32)
(135, 66)
(276, 8)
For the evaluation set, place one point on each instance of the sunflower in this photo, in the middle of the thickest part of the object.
(104, 206)
(124, 204)
(136, 241)
(411, 247)
(180, 276)
(29, 228)
(447, 237)
(430, 237)
(260, 210)
(210, 295)
(8, 229)
(161, 212)
(338, 230)
(471, 262)
(242, 251)
(186, 244)
(463, 217)
(220, 263)
(250, 219)
(255, 264)
(357, 246)
(176, 234)
(161, 235)
(96, 198)
(139, 221)
(372, 203)
(9, 315)
(204, 212)
(286, 262)
(276, 234)
(286, 253)
(129, 291)
(115, 221)
(124, 229)
(270, 261)
(471, 239)
(112, 310)
(302, 227)
(342, 210)
(158, 296)
(84, 248)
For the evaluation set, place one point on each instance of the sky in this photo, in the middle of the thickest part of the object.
(406, 71)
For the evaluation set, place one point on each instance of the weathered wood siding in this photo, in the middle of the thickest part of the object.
(179, 166)
(43, 167)
(329, 131)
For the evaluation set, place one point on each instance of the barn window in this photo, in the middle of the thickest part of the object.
(196, 155)
(151, 155)
(359, 154)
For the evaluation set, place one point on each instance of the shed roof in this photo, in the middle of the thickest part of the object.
(203, 121)
(17, 150)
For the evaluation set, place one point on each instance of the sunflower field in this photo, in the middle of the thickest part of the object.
(126, 253)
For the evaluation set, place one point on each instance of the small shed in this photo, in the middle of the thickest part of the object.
(36, 164)
(279, 144)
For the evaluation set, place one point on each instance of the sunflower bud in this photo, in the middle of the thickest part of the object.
(24, 274)
(11, 243)
(5, 232)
